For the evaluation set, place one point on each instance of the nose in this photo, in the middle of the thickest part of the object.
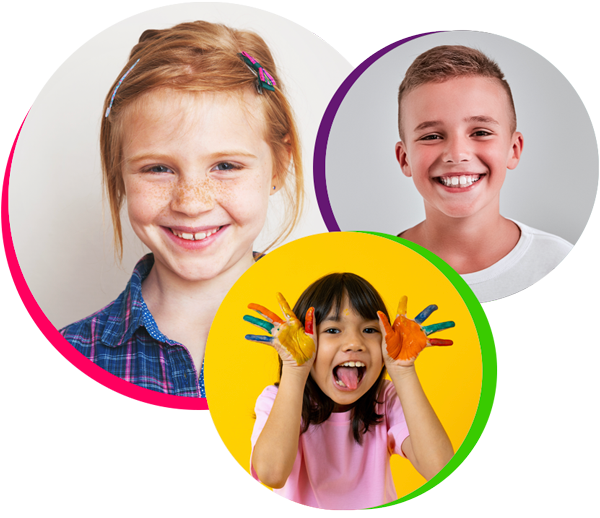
(354, 342)
(194, 195)
(458, 149)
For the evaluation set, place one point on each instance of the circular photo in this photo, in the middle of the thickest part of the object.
(163, 145)
(444, 139)
(350, 370)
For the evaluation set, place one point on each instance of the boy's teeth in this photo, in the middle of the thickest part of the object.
(194, 237)
(464, 180)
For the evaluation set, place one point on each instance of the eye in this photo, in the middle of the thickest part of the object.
(371, 330)
(332, 330)
(157, 169)
(226, 166)
(431, 137)
(482, 133)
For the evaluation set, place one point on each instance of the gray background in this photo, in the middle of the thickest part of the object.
(61, 228)
(552, 189)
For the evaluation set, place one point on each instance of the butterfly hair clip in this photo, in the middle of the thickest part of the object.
(264, 79)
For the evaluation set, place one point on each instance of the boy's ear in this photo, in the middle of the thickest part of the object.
(515, 151)
(403, 159)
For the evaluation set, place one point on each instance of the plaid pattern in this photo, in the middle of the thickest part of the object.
(123, 339)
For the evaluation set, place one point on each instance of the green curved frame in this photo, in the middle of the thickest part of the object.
(488, 360)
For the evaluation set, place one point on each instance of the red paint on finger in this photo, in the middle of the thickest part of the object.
(309, 321)
(440, 342)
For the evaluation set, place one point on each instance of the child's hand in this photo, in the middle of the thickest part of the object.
(295, 344)
(405, 339)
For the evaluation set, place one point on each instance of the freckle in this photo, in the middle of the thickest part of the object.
(206, 191)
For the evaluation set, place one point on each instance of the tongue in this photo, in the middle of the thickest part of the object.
(349, 376)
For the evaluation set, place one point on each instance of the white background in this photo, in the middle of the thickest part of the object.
(71, 447)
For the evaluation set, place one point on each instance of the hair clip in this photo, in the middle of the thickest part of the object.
(265, 80)
(116, 88)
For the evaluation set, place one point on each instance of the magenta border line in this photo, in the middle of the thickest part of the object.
(4, 226)
(57, 340)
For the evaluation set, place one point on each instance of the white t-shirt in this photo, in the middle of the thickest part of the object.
(537, 253)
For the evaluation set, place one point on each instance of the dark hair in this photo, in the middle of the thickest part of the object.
(447, 62)
(326, 295)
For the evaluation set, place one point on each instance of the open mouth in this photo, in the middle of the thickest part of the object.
(348, 375)
(198, 236)
(461, 181)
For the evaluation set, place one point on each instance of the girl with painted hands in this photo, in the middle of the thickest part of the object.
(196, 135)
(325, 433)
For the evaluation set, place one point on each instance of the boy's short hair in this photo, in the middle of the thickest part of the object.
(446, 62)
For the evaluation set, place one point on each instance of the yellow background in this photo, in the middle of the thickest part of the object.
(237, 371)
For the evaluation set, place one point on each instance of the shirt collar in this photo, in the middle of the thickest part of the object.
(126, 314)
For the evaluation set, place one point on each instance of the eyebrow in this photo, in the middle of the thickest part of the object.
(226, 153)
(165, 157)
(426, 125)
(483, 119)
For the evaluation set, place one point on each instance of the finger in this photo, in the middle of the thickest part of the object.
(392, 340)
(285, 307)
(439, 342)
(434, 328)
(309, 321)
(402, 306)
(261, 339)
(385, 322)
(424, 315)
(267, 326)
(269, 315)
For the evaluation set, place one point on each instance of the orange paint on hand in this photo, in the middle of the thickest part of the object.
(405, 339)
(412, 338)
(268, 314)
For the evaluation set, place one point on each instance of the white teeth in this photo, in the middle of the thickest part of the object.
(462, 180)
(353, 364)
(340, 383)
(198, 236)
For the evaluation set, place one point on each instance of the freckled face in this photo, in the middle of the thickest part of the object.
(341, 342)
(457, 143)
(198, 176)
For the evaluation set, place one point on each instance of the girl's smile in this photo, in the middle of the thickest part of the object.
(349, 358)
(198, 175)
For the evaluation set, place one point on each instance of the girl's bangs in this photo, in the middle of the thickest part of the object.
(327, 293)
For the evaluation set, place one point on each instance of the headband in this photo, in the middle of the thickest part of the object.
(116, 88)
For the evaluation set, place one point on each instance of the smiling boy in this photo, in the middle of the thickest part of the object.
(457, 125)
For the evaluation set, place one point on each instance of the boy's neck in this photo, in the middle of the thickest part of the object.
(469, 244)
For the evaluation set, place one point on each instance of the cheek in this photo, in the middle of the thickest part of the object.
(145, 200)
(421, 163)
(247, 200)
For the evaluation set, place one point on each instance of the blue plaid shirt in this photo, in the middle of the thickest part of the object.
(123, 339)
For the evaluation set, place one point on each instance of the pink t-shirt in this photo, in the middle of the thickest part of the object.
(333, 471)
